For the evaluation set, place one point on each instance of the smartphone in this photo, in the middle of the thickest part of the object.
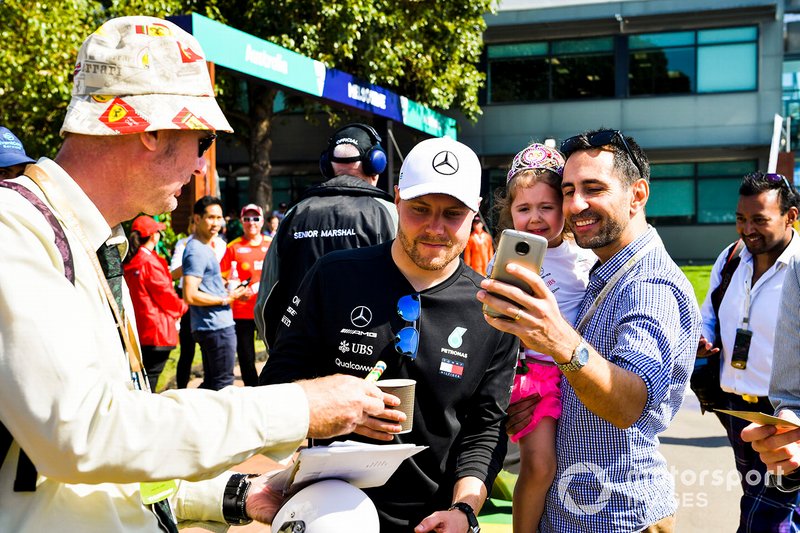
(519, 247)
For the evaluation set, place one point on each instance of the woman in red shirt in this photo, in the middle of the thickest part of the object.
(155, 303)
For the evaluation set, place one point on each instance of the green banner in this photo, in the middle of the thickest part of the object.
(425, 119)
(240, 51)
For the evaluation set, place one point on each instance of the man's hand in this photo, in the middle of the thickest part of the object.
(262, 502)
(444, 522)
(705, 348)
(242, 292)
(534, 318)
(520, 414)
(778, 447)
(341, 404)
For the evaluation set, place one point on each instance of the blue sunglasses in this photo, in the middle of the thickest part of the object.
(406, 341)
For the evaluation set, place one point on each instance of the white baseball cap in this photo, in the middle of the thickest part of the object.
(442, 166)
(137, 74)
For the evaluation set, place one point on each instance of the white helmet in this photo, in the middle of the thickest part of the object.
(330, 506)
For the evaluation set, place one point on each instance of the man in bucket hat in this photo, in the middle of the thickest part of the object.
(12, 155)
(410, 303)
(83, 446)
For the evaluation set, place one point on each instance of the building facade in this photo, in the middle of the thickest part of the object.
(696, 82)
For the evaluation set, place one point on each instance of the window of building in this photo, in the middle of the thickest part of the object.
(684, 62)
(696, 193)
(558, 70)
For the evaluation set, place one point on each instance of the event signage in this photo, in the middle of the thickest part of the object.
(345, 89)
(248, 54)
(242, 52)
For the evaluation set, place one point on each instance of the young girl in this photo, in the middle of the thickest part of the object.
(532, 203)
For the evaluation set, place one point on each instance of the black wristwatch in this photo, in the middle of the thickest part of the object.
(466, 508)
(234, 499)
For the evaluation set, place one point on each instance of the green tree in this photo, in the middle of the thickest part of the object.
(40, 41)
(427, 51)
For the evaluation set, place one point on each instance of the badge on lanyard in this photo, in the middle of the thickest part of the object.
(154, 492)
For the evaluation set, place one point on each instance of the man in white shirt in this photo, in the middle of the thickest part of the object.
(82, 446)
(745, 324)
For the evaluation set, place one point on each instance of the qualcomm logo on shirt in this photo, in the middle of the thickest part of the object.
(580, 470)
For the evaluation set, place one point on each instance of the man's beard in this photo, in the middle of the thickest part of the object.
(609, 231)
(437, 263)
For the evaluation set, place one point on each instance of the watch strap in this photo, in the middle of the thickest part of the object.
(472, 520)
(234, 499)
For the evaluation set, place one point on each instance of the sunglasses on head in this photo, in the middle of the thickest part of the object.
(204, 143)
(251, 219)
(777, 178)
(406, 341)
(597, 140)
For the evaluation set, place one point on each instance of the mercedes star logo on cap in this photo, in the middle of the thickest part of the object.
(445, 163)
(361, 316)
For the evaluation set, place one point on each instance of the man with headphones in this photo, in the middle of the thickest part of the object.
(346, 211)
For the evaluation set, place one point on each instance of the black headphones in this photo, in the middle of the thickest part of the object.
(372, 162)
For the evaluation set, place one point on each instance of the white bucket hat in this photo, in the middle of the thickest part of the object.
(137, 74)
(442, 166)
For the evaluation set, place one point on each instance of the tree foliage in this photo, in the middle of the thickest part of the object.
(427, 51)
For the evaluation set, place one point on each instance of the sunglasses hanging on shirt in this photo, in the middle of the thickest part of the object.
(406, 341)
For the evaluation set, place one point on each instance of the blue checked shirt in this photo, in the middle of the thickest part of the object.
(611, 479)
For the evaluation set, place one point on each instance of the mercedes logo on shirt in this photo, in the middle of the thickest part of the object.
(445, 163)
(361, 316)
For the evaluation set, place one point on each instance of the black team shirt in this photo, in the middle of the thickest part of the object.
(343, 320)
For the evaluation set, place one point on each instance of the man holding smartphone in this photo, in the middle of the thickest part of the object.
(627, 361)
(744, 328)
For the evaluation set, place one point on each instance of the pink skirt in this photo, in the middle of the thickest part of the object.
(544, 380)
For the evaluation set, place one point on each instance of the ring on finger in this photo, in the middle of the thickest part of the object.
(518, 315)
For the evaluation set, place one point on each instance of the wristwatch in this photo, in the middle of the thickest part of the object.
(466, 508)
(234, 499)
(580, 356)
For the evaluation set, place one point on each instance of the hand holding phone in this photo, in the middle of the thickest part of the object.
(526, 249)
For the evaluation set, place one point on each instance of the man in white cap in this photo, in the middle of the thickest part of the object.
(243, 261)
(410, 303)
(83, 447)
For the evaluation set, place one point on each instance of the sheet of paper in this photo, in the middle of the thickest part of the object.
(760, 418)
(363, 465)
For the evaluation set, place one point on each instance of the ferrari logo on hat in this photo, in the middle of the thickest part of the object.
(187, 54)
(186, 120)
(121, 117)
(445, 163)
(153, 30)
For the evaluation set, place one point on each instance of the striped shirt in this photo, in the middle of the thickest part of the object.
(611, 479)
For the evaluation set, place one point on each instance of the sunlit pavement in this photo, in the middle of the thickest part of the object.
(695, 446)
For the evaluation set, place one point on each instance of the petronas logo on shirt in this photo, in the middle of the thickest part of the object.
(456, 338)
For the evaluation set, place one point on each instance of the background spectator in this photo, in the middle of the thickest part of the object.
(12, 155)
(156, 305)
(246, 255)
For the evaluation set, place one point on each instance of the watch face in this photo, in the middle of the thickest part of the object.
(582, 354)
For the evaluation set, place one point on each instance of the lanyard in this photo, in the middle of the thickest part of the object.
(129, 341)
(613, 281)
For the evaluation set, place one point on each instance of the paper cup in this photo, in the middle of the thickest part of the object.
(403, 389)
